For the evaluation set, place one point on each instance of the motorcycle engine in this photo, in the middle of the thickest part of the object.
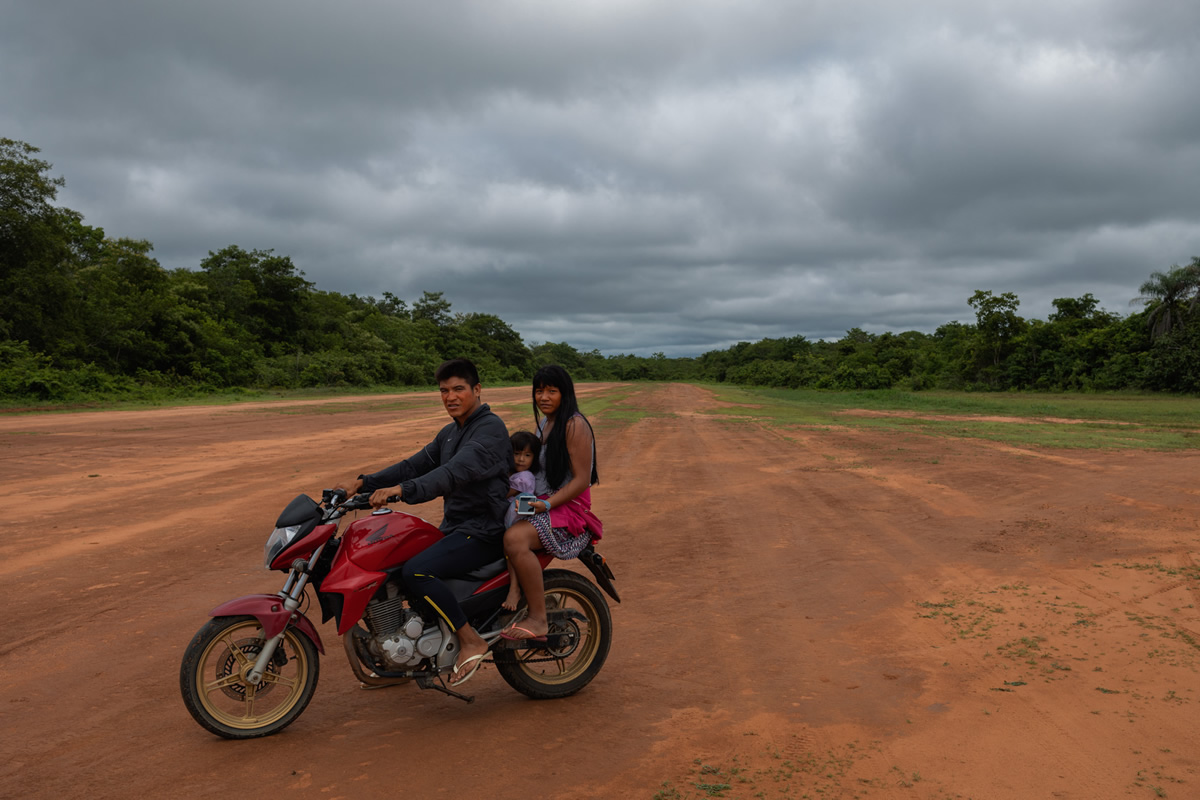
(400, 637)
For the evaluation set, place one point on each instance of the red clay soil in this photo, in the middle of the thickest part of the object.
(807, 613)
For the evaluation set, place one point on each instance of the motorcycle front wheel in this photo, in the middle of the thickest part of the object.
(216, 693)
(562, 670)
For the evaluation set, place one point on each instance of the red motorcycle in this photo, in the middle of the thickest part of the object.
(252, 669)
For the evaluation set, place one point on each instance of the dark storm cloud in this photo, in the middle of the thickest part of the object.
(634, 177)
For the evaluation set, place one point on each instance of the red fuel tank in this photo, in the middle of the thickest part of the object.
(382, 541)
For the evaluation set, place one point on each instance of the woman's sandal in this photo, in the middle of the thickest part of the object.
(530, 638)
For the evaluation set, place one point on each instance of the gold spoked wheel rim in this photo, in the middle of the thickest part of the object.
(562, 665)
(221, 671)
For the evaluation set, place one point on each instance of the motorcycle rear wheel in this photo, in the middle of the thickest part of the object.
(546, 674)
(212, 679)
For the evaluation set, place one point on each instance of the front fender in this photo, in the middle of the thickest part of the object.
(269, 610)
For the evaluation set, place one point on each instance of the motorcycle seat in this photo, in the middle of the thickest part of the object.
(486, 571)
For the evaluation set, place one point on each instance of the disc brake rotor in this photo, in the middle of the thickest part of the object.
(229, 665)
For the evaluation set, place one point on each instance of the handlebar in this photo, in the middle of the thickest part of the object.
(336, 500)
(357, 502)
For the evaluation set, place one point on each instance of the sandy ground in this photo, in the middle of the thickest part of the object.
(808, 613)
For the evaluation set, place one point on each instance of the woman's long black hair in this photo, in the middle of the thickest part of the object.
(555, 456)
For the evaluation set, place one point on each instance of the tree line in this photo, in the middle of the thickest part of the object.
(1080, 347)
(85, 315)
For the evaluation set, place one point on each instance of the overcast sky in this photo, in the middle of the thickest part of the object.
(654, 175)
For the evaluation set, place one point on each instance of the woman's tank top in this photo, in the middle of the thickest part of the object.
(541, 483)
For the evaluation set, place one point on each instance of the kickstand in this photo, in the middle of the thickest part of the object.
(437, 683)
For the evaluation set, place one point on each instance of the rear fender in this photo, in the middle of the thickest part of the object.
(270, 612)
(600, 571)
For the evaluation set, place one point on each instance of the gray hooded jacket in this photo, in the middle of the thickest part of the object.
(468, 466)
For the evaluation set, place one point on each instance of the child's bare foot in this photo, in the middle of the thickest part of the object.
(514, 598)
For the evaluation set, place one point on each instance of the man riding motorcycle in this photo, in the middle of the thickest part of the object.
(468, 464)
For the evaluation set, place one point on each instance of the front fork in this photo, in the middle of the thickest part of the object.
(291, 594)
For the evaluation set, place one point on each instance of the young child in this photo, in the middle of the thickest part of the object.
(526, 448)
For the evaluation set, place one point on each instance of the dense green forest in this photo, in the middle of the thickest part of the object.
(84, 315)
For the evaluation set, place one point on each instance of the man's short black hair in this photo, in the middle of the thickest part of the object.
(457, 368)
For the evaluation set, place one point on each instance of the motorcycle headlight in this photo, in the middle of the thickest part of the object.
(279, 539)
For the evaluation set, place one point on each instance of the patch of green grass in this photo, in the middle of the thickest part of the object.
(975, 620)
(1084, 421)
(667, 792)
(1190, 572)
(848, 770)
(615, 406)
(328, 409)
(1026, 648)
(154, 397)
(1163, 410)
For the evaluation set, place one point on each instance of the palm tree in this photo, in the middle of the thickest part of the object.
(1170, 297)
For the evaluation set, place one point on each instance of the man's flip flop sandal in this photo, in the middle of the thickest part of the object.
(462, 669)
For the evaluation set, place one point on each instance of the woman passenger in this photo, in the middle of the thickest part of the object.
(564, 523)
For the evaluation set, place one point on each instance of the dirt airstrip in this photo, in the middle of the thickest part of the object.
(829, 613)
